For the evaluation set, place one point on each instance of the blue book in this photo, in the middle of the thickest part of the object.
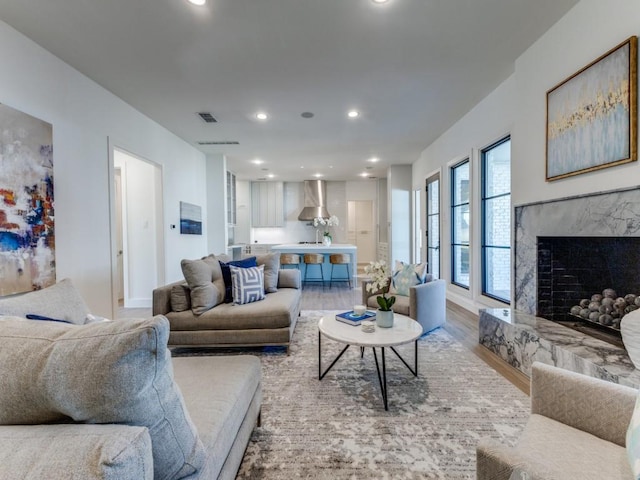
(352, 319)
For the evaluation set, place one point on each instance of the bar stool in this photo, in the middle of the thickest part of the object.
(290, 259)
(311, 259)
(340, 259)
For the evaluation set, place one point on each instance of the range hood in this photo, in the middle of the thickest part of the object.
(315, 197)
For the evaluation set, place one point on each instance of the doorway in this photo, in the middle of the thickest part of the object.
(138, 252)
(361, 229)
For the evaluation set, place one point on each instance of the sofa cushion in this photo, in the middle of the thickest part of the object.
(218, 391)
(566, 452)
(405, 276)
(226, 274)
(206, 285)
(180, 297)
(106, 372)
(247, 284)
(61, 301)
(90, 452)
(271, 262)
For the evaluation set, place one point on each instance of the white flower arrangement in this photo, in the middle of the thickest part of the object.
(379, 279)
(332, 221)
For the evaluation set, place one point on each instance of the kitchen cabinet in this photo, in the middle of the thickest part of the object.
(267, 204)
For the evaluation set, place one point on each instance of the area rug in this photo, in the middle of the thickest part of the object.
(337, 428)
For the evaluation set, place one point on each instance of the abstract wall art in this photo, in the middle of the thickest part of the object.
(592, 115)
(27, 240)
(190, 219)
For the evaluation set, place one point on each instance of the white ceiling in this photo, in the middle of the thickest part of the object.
(412, 67)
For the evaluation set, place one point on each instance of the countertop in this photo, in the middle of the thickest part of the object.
(302, 247)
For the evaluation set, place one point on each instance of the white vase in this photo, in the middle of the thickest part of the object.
(326, 241)
(630, 330)
(384, 319)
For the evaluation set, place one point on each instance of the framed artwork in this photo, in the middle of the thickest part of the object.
(190, 219)
(592, 115)
(27, 240)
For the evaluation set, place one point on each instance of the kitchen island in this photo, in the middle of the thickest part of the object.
(340, 272)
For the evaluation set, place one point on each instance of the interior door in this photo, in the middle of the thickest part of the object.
(119, 242)
(361, 229)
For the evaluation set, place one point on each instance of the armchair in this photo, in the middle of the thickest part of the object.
(576, 429)
(426, 303)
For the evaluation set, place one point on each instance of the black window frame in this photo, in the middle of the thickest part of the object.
(452, 169)
(430, 181)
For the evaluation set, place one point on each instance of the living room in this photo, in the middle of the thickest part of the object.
(89, 122)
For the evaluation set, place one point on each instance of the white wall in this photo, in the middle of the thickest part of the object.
(86, 120)
(589, 30)
(518, 106)
(216, 223)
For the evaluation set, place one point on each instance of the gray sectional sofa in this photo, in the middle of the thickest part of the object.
(86, 398)
(270, 321)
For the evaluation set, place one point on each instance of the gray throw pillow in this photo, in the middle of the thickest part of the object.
(61, 301)
(180, 298)
(204, 278)
(271, 262)
(106, 372)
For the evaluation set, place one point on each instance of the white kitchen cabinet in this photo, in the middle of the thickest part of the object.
(231, 198)
(267, 204)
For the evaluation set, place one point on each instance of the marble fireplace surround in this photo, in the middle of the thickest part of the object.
(607, 214)
(518, 336)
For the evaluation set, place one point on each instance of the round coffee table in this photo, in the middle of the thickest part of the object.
(404, 330)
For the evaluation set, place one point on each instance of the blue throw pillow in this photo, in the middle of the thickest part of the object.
(32, 316)
(226, 274)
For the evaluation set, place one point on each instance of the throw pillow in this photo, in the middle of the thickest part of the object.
(180, 298)
(271, 262)
(405, 276)
(226, 274)
(61, 301)
(247, 284)
(106, 372)
(31, 316)
(633, 441)
(204, 278)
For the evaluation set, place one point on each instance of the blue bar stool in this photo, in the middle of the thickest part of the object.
(310, 260)
(340, 259)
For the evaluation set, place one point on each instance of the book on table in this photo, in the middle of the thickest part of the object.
(352, 318)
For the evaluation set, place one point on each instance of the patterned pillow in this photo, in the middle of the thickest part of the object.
(226, 274)
(407, 275)
(633, 441)
(247, 284)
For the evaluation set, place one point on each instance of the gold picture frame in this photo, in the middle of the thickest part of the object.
(592, 115)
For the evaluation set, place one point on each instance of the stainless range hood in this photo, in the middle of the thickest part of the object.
(315, 197)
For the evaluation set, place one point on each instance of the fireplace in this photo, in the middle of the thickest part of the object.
(575, 273)
(598, 237)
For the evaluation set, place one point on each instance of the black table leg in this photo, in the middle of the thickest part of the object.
(320, 373)
(382, 379)
(412, 370)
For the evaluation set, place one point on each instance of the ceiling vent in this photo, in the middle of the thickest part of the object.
(219, 142)
(207, 117)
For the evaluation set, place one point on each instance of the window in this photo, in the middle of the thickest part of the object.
(460, 221)
(496, 220)
(433, 225)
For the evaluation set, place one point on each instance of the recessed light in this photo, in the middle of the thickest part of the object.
(364, 174)
(353, 114)
(271, 175)
(261, 116)
(318, 175)
(257, 161)
(373, 159)
(379, 1)
(199, 3)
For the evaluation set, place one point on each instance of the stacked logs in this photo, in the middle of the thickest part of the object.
(606, 308)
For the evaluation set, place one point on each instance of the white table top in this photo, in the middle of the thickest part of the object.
(404, 330)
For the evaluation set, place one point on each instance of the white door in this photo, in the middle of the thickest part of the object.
(119, 242)
(361, 229)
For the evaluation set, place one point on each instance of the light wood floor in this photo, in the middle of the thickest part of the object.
(461, 324)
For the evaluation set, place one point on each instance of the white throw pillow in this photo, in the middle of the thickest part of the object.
(405, 276)
(247, 284)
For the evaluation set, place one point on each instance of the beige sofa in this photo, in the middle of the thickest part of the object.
(576, 430)
(92, 399)
(267, 322)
